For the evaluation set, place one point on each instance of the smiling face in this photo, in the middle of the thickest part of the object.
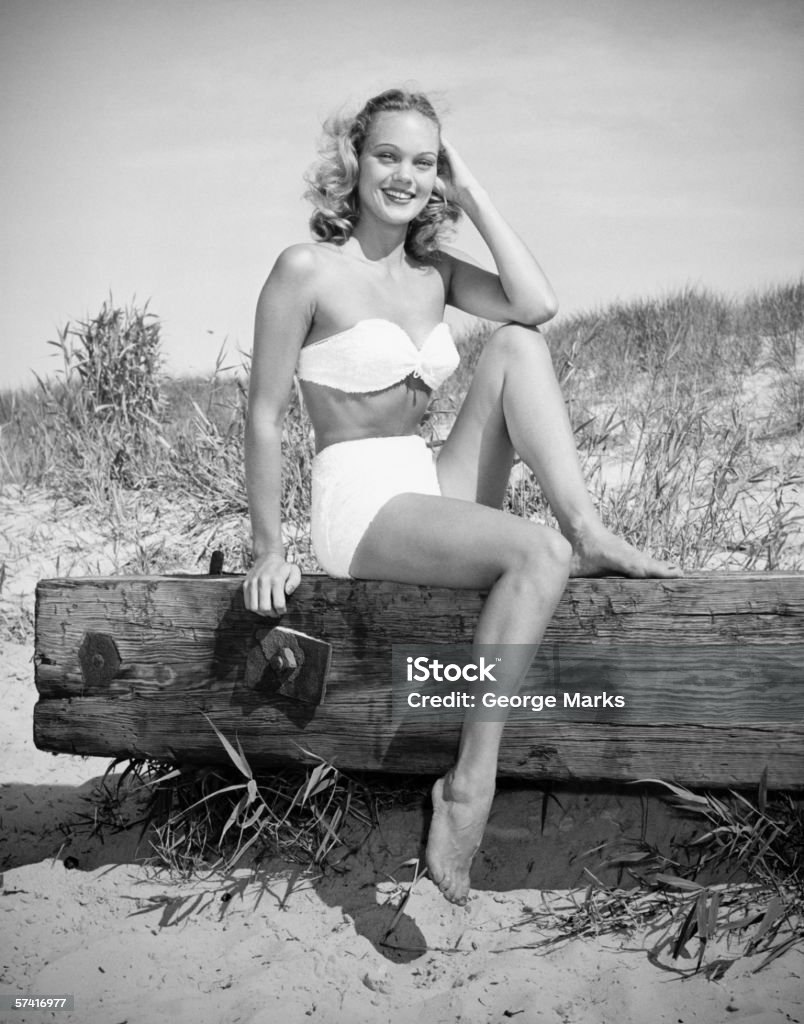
(398, 166)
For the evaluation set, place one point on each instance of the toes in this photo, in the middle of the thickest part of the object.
(452, 886)
(446, 887)
(667, 569)
(461, 896)
(454, 893)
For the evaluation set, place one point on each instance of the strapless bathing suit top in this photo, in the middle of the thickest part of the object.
(376, 354)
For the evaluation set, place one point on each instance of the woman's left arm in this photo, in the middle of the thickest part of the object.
(519, 291)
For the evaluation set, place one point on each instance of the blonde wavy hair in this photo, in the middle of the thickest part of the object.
(332, 180)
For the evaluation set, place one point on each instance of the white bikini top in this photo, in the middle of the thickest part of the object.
(376, 354)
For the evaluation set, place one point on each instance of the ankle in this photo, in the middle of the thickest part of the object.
(581, 530)
(467, 785)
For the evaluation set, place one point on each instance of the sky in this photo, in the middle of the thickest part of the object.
(155, 150)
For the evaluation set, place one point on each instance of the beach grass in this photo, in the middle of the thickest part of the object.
(688, 411)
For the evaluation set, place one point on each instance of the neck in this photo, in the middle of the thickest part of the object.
(380, 242)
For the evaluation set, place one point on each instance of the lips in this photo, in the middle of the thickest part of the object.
(398, 195)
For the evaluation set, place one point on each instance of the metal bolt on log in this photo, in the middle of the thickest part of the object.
(99, 659)
(289, 663)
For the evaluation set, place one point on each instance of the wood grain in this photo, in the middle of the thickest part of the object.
(711, 668)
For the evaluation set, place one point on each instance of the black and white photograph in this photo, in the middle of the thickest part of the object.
(402, 512)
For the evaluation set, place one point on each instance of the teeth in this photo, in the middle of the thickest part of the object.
(398, 195)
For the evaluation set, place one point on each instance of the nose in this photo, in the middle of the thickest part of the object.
(404, 174)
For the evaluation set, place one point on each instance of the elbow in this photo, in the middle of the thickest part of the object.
(263, 426)
(549, 309)
(540, 312)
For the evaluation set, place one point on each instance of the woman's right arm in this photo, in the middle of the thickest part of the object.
(284, 314)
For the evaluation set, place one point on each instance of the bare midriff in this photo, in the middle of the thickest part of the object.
(339, 416)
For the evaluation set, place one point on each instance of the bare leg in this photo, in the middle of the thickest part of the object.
(515, 396)
(441, 541)
(514, 404)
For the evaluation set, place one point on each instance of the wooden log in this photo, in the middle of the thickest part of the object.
(710, 669)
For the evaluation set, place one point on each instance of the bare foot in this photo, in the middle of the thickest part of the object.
(604, 554)
(455, 833)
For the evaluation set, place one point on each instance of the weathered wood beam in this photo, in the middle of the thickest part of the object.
(711, 669)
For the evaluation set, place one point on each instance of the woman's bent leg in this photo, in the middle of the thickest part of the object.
(515, 405)
(445, 542)
(462, 799)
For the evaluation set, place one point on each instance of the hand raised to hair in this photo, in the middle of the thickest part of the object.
(463, 182)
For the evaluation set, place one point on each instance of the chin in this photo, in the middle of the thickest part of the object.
(404, 216)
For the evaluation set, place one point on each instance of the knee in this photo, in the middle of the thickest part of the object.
(515, 343)
(558, 553)
(546, 556)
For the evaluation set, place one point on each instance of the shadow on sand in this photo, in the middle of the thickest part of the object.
(535, 840)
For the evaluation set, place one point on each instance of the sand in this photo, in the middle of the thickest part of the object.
(84, 913)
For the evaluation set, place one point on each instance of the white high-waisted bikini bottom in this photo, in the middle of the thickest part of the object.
(352, 480)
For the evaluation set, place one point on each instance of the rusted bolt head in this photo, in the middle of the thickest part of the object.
(99, 659)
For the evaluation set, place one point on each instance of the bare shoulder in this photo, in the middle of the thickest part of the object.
(293, 277)
(297, 261)
(306, 265)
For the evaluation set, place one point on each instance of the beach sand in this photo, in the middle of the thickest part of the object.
(84, 914)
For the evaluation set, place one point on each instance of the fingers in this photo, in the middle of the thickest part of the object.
(294, 578)
(285, 585)
(279, 588)
(265, 588)
(257, 595)
(265, 597)
(450, 154)
(459, 174)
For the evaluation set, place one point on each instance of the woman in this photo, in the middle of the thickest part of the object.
(358, 315)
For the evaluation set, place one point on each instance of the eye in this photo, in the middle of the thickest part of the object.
(426, 164)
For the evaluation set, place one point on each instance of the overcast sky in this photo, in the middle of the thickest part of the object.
(156, 149)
